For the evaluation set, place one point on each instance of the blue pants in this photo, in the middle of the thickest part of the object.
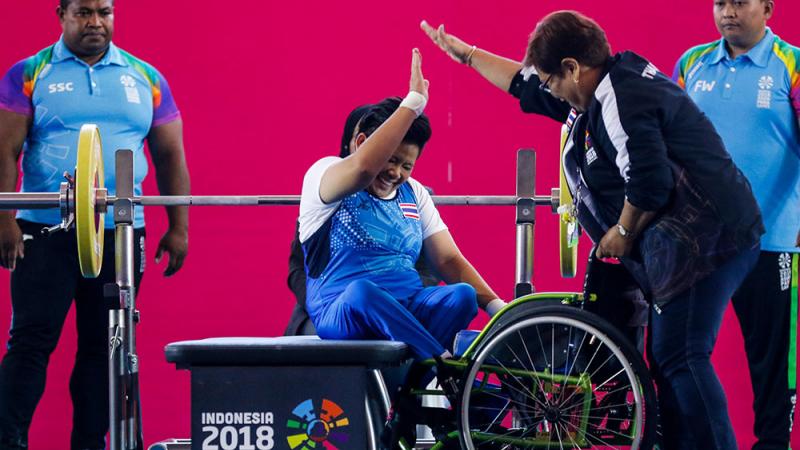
(428, 321)
(694, 410)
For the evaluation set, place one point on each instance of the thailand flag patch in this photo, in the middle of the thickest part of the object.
(410, 210)
(573, 115)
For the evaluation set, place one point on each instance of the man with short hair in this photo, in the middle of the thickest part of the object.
(748, 84)
(44, 100)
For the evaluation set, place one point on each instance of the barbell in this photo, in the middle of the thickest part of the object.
(83, 201)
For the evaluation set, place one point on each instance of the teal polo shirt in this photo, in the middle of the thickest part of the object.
(754, 103)
(123, 95)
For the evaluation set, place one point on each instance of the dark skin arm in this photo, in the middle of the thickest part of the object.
(172, 176)
(613, 244)
(13, 130)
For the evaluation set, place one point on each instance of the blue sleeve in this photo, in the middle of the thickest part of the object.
(15, 95)
(164, 108)
(676, 74)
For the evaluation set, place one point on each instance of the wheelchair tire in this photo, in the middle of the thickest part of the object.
(558, 377)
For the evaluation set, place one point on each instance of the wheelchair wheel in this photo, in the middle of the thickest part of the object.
(557, 378)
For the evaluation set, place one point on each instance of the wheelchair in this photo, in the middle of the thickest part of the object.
(543, 374)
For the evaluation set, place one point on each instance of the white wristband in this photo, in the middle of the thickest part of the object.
(494, 306)
(415, 102)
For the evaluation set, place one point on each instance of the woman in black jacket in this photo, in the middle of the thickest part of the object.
(654, 188)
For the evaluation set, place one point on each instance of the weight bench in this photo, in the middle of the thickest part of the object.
(296, 390)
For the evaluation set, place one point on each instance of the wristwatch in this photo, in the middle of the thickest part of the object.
(624, 231)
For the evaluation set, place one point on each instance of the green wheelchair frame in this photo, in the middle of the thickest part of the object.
(579, 425)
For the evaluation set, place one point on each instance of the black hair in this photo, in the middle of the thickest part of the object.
(349, 127)
(418, 134)
(65, 3)
(567, 34)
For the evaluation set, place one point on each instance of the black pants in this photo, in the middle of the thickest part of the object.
(766, 304)
(42, 289)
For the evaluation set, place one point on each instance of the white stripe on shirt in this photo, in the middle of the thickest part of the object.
(608, 99)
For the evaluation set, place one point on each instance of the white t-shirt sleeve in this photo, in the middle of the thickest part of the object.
(428, 214)
(313, 211)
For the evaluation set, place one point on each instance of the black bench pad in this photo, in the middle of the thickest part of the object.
(285, 351)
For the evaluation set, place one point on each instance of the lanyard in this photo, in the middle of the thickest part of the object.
(594, 224)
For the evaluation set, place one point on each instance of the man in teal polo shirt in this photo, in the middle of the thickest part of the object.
(748, 83)
(44, 100)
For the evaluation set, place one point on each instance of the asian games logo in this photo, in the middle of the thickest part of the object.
(785, 270)
(127, 81)
(766, 82)
(322, 427)
(131, 93)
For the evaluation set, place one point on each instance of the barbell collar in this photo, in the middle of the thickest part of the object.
(555, 198)
(101, 200)
(65, 204)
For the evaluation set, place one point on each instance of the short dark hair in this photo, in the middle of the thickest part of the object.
(65, 3)
(349, 127)
(418, 134)
(567, 34)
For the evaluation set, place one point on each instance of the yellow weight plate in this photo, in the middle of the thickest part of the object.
(568, 251)
(89, 224)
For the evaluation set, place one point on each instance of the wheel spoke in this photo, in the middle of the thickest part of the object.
(575, 391)
(533, 366)
(568, 368)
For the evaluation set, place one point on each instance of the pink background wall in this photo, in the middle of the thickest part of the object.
(264, 88)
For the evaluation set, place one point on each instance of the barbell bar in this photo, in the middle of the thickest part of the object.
(29, 200)
(85, 201)
(51, 200)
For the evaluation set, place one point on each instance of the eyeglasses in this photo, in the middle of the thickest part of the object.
(545, 85)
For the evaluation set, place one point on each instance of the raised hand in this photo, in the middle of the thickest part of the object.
(418, 82)
(453, 46)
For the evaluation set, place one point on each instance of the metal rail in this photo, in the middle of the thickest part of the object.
(262, 200)
(29, 200)
(47, 200)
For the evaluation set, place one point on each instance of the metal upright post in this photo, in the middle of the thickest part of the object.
(526, 219)
(123, 361)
